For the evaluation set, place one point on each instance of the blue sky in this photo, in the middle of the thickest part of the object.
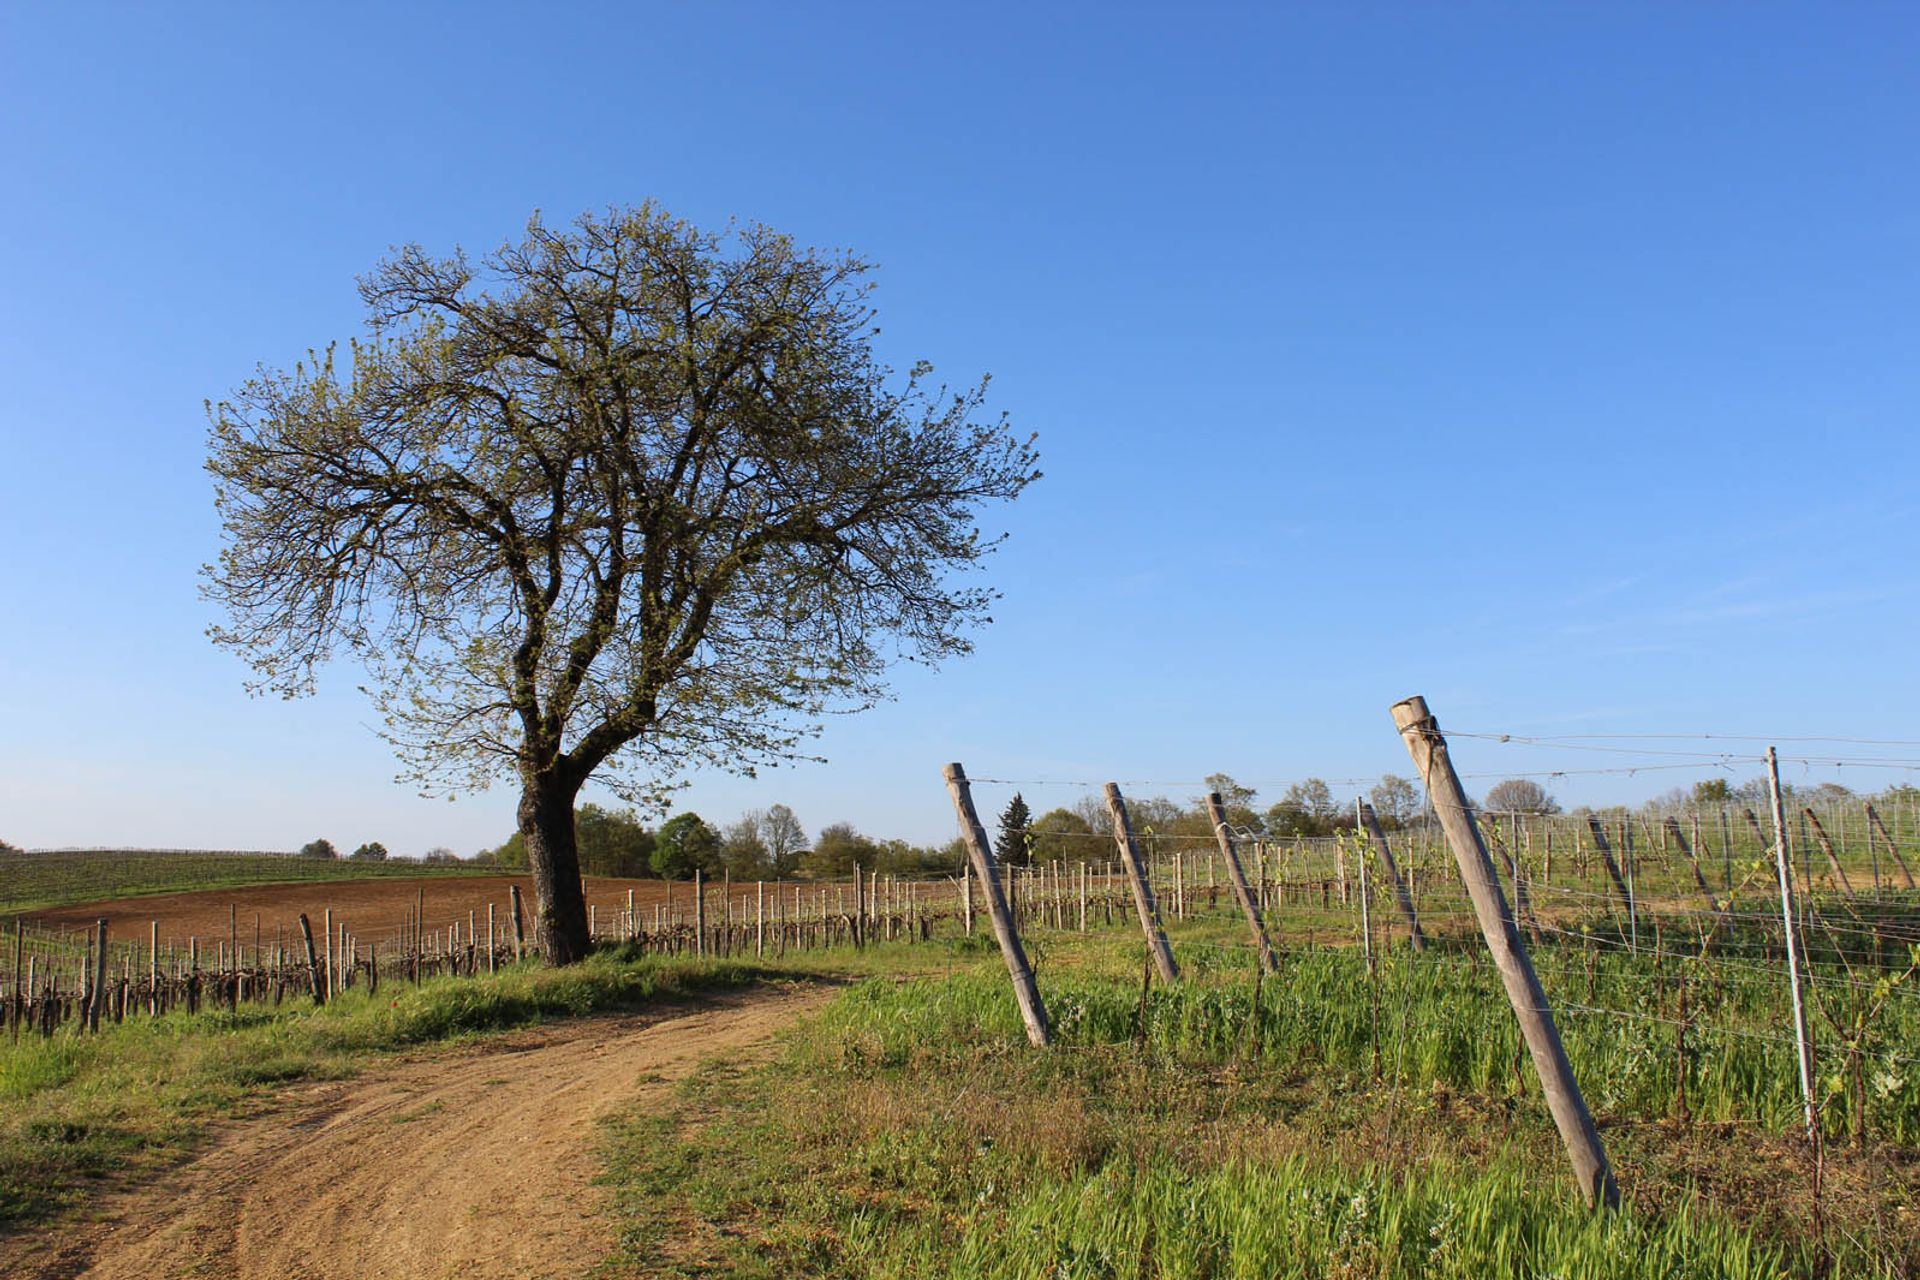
(1556, 362)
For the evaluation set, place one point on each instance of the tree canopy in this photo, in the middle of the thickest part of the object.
(614, 501)
(1519, 795)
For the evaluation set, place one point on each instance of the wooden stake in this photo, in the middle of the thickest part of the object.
(1026, 992)
(313, 962)
(1826, 847)
(1143, 901)
(1237, 876)
(1428, 748)
(1613, 868)
(1873, 820)
(1369, 821)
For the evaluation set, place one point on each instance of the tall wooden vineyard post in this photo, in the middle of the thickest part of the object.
(1421, 733)
(1217, 814)
(1372, 824)
(1026, 992)
(1143, 900)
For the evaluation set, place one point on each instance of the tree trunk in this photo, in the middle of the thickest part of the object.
(559, 905)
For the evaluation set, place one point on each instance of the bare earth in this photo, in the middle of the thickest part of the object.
(477, 1161)
(371, 908)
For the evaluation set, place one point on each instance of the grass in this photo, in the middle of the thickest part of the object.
(38, 881)
(908, 1131)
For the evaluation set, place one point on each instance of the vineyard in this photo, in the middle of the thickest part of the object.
(1294, 1038)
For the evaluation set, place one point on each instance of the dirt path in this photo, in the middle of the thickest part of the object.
(473, 1162)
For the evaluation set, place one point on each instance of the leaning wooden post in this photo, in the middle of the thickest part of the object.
(1143, 902)
(1613, 868)
(1570, 1115)
(1026, 992)
(1400, 894)
(1693, 863)
(1873, 820)
(1217, 814)
(313, 961)
(1783, 867)
(1826, 847)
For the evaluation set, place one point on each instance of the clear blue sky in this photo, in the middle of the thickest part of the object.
(1556, 362)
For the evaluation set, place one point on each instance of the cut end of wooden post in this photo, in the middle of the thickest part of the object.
(1409, 712)
(954, 773)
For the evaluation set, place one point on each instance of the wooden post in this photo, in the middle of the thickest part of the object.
(1366, 941)
(1693, 862)
(97, 994)
(327, 971)
(760, 918)
(699, 912)
(1143, 902)
(966, 896)
(1217, 814)
(1826, 847)
(1428, 748)
(1026, 992)
(233, 955)
(1783, 867)
(1606, 853)
(1372, 824)
(493, 953)
(313, 962)
(1873, 820)
(519, 923)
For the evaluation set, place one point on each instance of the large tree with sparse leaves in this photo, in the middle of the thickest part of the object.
(613, 501)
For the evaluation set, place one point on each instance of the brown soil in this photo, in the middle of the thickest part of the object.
(372, 909)
(470, 1162)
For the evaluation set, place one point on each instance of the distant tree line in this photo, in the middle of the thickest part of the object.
(770, 843)
(762, 844)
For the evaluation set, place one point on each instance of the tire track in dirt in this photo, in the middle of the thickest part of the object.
(477, 1161)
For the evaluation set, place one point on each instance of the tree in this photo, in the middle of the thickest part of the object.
(371, 851)
(612, 842)
(611, 502)
(1010, 845)
(1305, 809)
(785, 839)
(1063, 836)
(685, 844)
(1712, 792)
(440, 855)
(742, 851)
(319, 849)
(512, 855)
(837, 850)
(1396, 800)
(1519, 795)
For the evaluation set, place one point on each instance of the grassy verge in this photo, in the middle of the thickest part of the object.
(907, 1131)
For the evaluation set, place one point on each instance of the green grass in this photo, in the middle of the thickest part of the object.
(908, 1131)
(37, 881)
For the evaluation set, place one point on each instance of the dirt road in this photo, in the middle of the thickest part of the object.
(456, 1163)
